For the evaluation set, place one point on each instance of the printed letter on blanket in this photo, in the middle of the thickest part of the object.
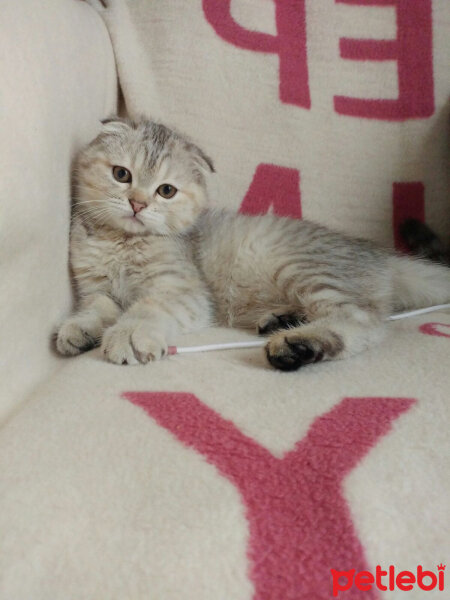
(299, 522)
(413, 51)
(289, 43)
(276, 187)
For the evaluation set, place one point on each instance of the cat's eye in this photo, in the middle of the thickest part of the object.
(121, 174)
(167, 191)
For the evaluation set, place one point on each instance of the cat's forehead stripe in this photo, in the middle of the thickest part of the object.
(154, 141)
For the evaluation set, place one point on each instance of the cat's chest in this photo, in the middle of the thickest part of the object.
(119, 268)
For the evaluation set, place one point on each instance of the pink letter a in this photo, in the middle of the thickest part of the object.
(275, 186)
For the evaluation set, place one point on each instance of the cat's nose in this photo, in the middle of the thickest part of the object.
(136, 206)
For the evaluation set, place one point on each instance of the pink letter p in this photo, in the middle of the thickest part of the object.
(289, 43)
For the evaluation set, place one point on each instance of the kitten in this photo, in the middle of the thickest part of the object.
(151, 260)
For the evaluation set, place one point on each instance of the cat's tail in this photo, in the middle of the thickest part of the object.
(418, 283)
(423, 242)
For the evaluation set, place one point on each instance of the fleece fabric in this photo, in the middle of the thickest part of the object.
(211, 476)
(55, 87)
(334, 110)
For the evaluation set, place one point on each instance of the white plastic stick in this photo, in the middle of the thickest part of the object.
(419, 311)
(259, 343)
(208, 347)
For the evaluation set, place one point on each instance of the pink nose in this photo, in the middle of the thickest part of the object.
(136, 206)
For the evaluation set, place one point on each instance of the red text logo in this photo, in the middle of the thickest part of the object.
(343, 581)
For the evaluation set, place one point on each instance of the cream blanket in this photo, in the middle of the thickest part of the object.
(211, 476)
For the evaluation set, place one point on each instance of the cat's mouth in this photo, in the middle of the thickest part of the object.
(133, 223)
(133, 218)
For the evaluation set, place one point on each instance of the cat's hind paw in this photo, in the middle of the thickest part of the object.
(288, 353)
(279, 319)
(292, 349)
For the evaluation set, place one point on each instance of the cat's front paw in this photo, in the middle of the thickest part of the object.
(74, 337)
(133, 343)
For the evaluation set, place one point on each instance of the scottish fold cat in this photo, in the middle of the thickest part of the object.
(151, 259)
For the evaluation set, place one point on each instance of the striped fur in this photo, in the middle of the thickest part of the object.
(178, 265)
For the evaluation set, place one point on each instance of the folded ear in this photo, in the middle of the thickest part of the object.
(114, 125)
(208, 161)
(202, 159)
